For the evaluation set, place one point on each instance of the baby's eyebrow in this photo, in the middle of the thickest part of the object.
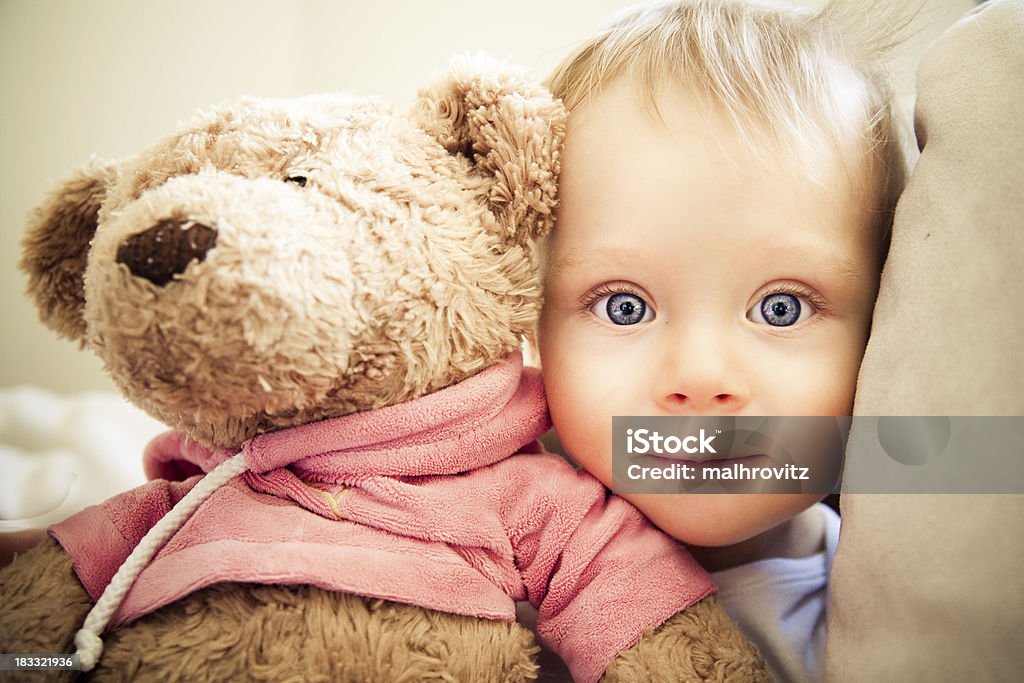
(843, 266)
(594, 255)
(566, 261)
(834, 262)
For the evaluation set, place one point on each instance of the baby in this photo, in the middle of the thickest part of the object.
(727, 190)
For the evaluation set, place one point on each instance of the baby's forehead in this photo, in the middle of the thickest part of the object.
(686, 112)
(686, 127)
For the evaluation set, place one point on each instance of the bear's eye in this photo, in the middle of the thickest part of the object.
(299, 180)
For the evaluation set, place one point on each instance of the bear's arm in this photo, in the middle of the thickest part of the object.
(42, 605)
(606, 582)
(701, 643)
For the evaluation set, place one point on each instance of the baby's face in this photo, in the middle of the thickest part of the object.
(687, 278)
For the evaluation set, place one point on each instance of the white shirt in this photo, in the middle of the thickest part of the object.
(781, 605)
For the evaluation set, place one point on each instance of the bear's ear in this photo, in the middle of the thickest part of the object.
(509, 127)
(56, 246)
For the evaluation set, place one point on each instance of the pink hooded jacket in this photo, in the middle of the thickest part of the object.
(435, 502)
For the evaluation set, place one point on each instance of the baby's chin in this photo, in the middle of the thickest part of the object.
(720, 519)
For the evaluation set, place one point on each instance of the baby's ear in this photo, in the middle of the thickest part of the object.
(55, 248)
(509, 127)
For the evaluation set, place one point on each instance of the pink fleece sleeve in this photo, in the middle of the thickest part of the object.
(102, 536)
(598, 572)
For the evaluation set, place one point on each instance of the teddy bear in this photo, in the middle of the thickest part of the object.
(324, 300)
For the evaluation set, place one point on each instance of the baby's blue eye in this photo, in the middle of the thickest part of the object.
(780, 309)
(626, 309)
(623, 308)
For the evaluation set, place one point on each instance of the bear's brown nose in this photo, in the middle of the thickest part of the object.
(166, 249)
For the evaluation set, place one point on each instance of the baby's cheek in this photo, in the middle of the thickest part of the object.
(825, 387)
(837, 397)
(586, 442)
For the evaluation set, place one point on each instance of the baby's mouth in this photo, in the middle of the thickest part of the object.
(717, 460)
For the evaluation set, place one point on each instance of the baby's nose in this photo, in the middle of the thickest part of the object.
(700, 375)
(165, 250)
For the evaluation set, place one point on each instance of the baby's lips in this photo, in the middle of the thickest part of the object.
(743, 443)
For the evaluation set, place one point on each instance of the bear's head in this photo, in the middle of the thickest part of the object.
(276, 262)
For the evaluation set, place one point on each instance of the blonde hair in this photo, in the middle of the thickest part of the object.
(802, 80)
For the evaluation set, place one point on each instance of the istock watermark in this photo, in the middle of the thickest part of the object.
(647, 441)
(818, 455)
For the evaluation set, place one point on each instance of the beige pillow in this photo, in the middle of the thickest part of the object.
(931, 587)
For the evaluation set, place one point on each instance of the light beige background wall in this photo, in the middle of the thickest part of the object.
(109, 77)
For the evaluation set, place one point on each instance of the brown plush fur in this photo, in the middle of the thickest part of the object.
(334, 258)
(42, 604)
(700, 644)
(57, 246)
(278, 633)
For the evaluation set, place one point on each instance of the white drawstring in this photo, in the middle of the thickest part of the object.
(87, 641)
